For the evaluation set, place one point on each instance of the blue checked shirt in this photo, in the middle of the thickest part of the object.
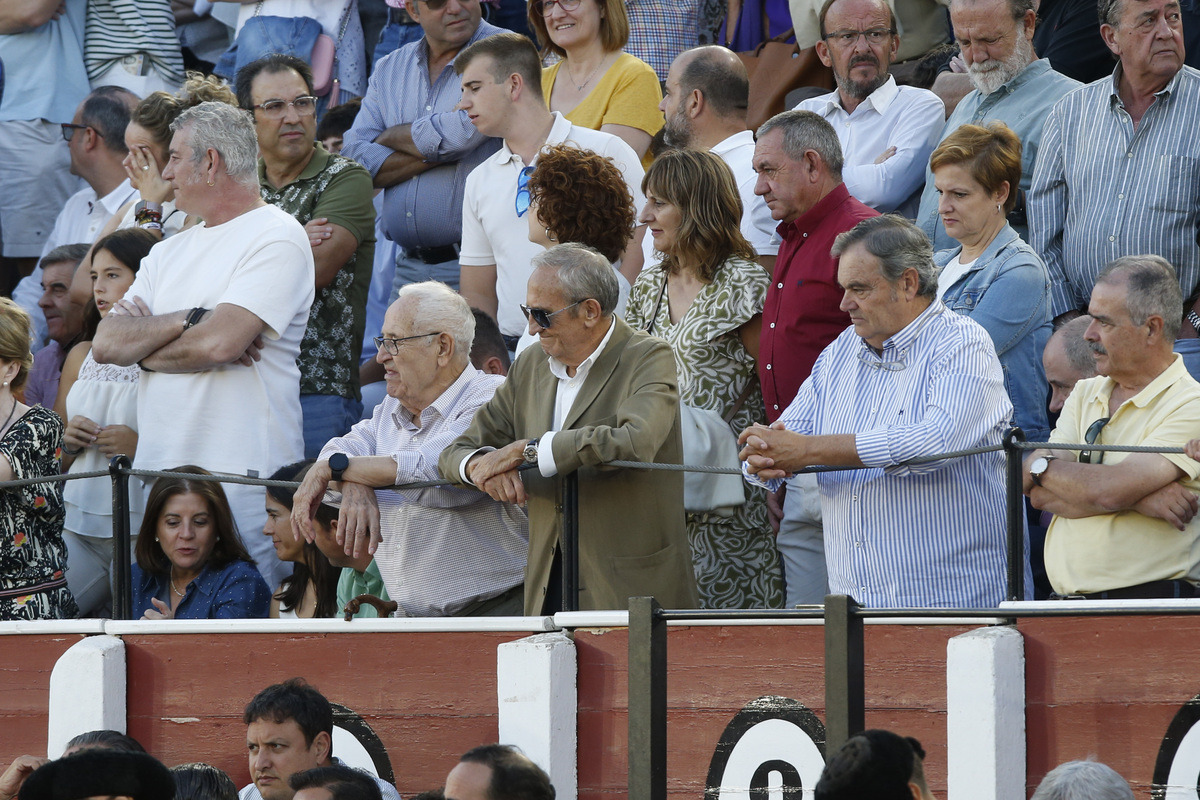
(924, 535)
(425, 211)
(1102, 190)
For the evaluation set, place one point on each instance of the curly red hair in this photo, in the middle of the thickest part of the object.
(582, 197)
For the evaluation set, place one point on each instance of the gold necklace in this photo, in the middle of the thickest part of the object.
(579, 86)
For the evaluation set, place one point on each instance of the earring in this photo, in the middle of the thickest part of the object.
(210, 183)
(550, 236)
(997, 208)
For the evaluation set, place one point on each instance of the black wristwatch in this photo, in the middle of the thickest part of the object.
(338, 462)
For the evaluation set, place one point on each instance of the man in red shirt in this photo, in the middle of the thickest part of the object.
(799, 163)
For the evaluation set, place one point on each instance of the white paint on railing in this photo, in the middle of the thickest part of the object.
(87, 691)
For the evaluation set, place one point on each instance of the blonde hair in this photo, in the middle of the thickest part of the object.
(15, 330)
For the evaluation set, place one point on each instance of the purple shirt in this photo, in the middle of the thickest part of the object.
(41, 388)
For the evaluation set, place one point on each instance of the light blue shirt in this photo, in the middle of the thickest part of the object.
(1104, 190)
(44, 77)
(426, 210)
(922, 535)
(1023, 105)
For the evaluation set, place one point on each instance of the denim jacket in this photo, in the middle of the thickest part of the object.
(1007, 291)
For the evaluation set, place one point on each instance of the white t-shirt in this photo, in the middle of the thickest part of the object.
(237, 419)
(492, 233)
(951, 273)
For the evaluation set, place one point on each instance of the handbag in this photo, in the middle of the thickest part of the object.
(776, 67)
(709, 441)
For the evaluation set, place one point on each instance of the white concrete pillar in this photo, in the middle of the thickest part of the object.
(87, 691)
(535, 687)
(985, 720)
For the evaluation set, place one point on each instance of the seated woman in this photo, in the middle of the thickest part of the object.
(33, 558)
(311, 589)
(705, 298)
(578, 196)
(596, 85)
(994, 277)
(99, 402)
(191, 563)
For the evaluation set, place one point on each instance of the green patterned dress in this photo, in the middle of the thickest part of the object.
(736, 563)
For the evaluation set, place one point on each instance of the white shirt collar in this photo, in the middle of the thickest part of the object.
(118, 197)
(559, 369)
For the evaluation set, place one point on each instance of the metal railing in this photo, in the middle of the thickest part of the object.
(1014, 446)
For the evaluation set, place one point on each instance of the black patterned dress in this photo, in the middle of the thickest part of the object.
(33, 558)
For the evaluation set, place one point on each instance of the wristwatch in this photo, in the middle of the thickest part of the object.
(1038, 468)
(531, 451)
(338, 462)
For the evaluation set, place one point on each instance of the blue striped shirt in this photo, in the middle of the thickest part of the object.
(424, 211)
(924, 535)
(1102, 190)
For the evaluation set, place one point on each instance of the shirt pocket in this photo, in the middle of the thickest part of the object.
(1175, 184)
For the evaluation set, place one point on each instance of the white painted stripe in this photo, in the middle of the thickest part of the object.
(87, 691)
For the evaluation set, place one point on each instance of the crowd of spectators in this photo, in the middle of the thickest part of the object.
(326, 262)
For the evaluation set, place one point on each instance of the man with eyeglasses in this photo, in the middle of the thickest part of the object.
(597, 391)
(502, 94)
(887, 131)
(1124, 524)
(909, 379)
(331, 196)
(441, 551)
(417, 145)
(96, 141)
(1005, 82)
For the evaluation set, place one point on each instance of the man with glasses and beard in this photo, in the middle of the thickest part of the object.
(1012, 85)
(887, 131)
(1124, 524)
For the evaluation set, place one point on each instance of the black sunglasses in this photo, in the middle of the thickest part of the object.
(541, 316)
(1093, 433)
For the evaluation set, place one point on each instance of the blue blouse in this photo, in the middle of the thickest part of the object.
(235, 591)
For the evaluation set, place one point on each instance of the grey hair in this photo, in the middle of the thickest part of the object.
(1110, 12)
(1152, 290)
(584, 274)
(1019, 8)
(804, 130)
(1083, 780)
(228, 130)
(66, 254)
(1080, 355)
(899, 245)
(439, 308)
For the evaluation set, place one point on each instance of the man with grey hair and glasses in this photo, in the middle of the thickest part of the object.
(214, 319)
(909, 379)
(1120, 166)
(441, 550)
(596, 391)
(1124, 524)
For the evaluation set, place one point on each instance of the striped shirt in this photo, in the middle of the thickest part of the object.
(119, 28)
(426, 210)
(925, 535)
(443, 548)
(1102, 190)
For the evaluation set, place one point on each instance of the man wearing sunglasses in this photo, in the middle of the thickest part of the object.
(598, 391)
(502, 94)
(415, 143)
(1124, 524)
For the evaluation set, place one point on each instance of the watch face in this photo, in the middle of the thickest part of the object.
(1039, 465)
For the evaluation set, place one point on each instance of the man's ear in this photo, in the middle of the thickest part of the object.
(323, 745)
(823, 53)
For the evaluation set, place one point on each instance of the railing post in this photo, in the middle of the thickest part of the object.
(647, 700)
(570, 542)
(118, 470)
(1016, 512)
(845, 695)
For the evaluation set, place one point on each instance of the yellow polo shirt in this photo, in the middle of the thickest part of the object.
(1111, 551)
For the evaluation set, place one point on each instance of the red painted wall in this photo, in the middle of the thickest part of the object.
(26, 661)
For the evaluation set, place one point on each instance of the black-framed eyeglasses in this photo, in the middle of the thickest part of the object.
(523, 191)
(69, 128)
(436, 5)
(847, 38)
(542, 317)
(545, 7)
(1093, 433)
(305, 106)
(392, 346)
